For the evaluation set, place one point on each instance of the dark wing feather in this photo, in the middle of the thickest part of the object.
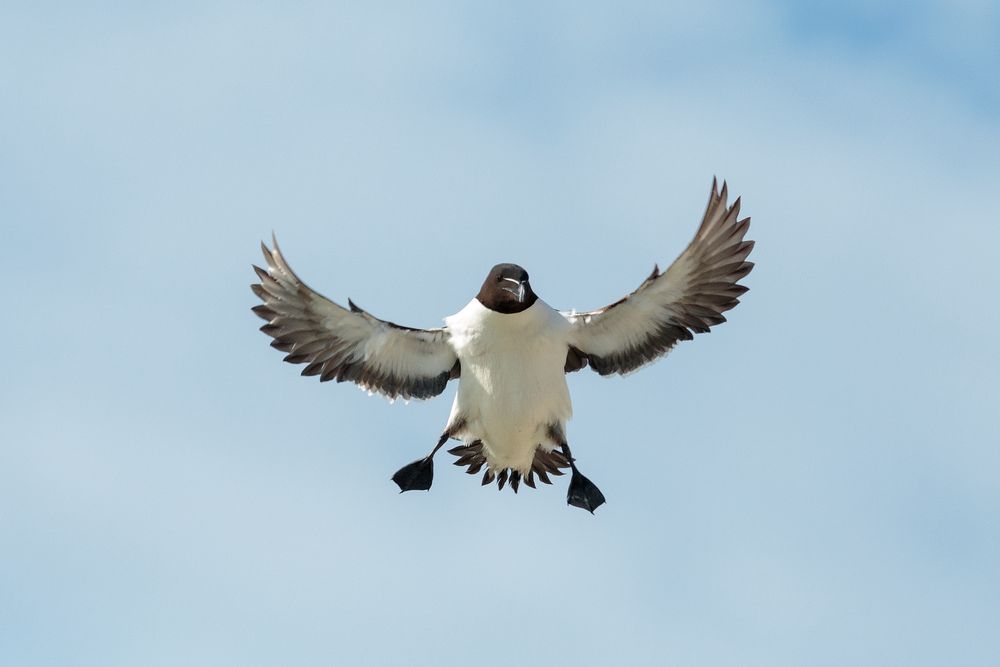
(688, 298)
(344, 344)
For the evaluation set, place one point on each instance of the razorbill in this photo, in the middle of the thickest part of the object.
(509, 350)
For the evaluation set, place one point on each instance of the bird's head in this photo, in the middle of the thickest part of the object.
(507, 290)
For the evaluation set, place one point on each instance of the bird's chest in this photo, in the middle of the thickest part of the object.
(512, 368)
(514, 377)
(508, 353)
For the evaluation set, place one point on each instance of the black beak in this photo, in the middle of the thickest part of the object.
(518, 291)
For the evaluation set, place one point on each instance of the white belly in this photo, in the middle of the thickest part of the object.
(513, 382)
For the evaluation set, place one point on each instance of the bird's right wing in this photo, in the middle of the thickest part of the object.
(344, 344)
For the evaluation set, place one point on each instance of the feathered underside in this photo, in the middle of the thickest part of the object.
(544, 464)
(349, 344)
(669, 307)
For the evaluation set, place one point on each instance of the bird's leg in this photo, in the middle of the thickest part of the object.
(418, 475)
(582, 492)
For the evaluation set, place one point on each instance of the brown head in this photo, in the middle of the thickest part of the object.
(507, 290)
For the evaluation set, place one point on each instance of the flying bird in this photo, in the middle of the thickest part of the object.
(510, 351)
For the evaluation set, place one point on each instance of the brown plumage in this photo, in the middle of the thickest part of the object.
(544, 463)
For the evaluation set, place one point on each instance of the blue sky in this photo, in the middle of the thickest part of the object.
(813, 483)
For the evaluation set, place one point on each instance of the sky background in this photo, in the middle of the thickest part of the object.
(817, 482)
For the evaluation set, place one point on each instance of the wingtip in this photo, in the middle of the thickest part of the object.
(273, 254)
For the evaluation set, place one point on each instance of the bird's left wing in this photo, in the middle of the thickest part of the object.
(688, 298)
(345, 344)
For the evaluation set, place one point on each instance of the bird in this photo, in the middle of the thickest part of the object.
(510, 351)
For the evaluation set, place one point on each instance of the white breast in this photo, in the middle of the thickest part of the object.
(513, 382)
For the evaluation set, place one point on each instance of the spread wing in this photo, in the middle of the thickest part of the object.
(688, 298)
(349, 344)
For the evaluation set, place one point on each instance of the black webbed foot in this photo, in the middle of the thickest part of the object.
(416, 476)
(583, 493)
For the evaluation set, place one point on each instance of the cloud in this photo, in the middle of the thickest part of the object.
(814, 473)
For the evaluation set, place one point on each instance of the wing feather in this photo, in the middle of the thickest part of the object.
(349, 344)
(688, 298)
